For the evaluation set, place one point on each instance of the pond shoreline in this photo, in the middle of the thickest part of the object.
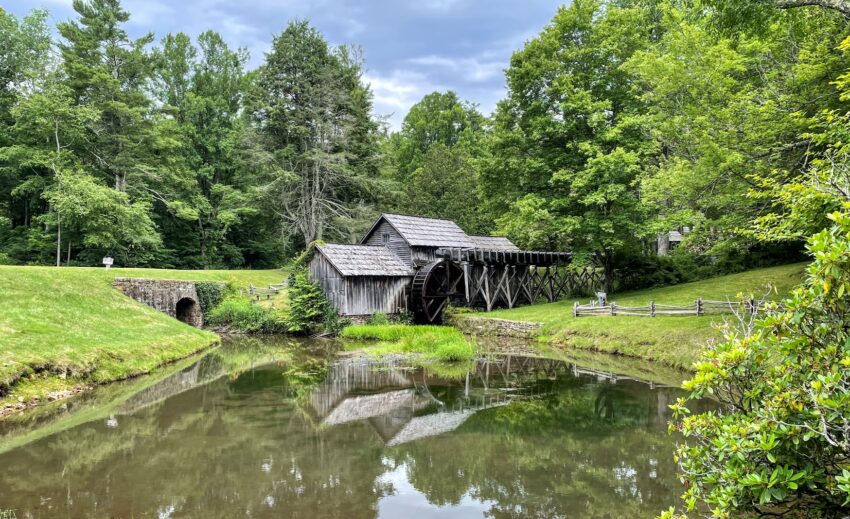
(21, 406)
(482, 326)
(474, 326)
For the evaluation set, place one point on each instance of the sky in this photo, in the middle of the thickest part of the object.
(411, 47)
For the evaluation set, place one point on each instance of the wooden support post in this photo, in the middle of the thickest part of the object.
(575, 309)
(487, 296)
(652, 308)
(550, 273)
(466, 281)
(613, 309)
(699, 306)
(506, 283)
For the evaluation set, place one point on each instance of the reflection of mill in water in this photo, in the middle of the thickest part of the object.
(403, 404)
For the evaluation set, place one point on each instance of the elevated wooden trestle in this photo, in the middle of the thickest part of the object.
(498, 278)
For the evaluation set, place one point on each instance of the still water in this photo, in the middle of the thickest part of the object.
(254, 429)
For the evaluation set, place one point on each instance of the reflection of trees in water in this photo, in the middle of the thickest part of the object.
(213, 451)
(253, 444)
(520, 457)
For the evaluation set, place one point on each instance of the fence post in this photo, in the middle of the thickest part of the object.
(752, 306)
(699, 306)
(652, 308)
(613, 309)
(575, 309)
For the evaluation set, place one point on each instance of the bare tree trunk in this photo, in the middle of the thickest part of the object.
(664, 244)
(68, 256)
(58, 240)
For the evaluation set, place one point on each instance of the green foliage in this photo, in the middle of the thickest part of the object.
(455, 350)
(379, 318)
(781, 442)
(391, 332)
(308, 306)
(314, 138)
(432, 161)
(727, 104)
(239, 314)
(209, 295)
(440, 343)
(568, 143)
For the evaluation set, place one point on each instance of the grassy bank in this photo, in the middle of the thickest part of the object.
(62, 328)
(441, 343)
(675, 341)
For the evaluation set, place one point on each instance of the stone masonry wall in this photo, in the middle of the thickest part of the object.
(179, 299)
(497, 327)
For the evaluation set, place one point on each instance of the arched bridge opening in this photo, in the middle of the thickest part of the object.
(188, 311)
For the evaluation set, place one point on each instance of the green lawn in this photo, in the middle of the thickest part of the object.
(670, 339)
(65, 327)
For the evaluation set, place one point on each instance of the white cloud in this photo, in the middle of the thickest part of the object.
(475, 69)
(397, 92)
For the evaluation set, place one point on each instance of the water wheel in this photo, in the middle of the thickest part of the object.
(434, 285)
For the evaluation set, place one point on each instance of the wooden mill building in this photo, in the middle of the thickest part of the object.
(411, 263)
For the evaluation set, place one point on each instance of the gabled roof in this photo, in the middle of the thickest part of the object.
(494, 243)
(425, 232)
(364, 260)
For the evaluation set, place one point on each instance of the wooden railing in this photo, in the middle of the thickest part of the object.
(700, 307)
(256, 294)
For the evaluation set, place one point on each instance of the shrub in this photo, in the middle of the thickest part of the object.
(781, 442)
(243, 316)
(309, 309)
(379, 318)
(209, 295)
(405, 317)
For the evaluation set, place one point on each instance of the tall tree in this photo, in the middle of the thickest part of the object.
(727, 108)
(25, 62)
(108, 70)
(204, 87)
(311, 109)
(567, 140)
(432, 161)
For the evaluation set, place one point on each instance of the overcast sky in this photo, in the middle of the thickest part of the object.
(411, 47)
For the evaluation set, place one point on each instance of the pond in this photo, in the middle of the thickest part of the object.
(260, 429)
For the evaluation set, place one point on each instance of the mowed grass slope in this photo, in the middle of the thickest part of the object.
(674, 340)
(64, 327)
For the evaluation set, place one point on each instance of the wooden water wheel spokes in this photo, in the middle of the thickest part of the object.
(434, 286)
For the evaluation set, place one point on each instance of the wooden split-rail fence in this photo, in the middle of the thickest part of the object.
(700, 307)
(256, 294)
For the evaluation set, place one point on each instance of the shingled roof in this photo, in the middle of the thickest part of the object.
(363, 260)
(426, 232)
(494, 243)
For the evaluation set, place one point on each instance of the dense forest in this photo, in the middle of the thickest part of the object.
(622, 120)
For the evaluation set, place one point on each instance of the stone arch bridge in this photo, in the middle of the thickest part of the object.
(179, 299)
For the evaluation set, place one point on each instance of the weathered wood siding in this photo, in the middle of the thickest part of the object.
(365, 295)
(396, 243)
(328, 277)
(360, 295)
(423, 255)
